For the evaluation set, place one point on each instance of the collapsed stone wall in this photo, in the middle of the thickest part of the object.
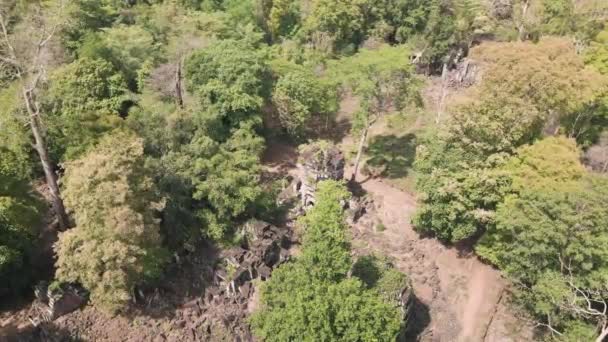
(321, 160)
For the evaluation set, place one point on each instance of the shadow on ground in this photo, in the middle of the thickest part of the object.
(418, 322)
(390, 156)
(46, 332)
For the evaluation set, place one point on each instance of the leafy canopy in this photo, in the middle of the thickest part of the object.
(116, 242)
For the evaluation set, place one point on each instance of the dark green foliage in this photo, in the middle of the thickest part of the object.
(86, 17)
(396, 20)
(83, 104)
(19, 219)
(130, 59)
(228, 78)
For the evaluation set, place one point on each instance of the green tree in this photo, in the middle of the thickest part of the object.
(550, 236)
(83, 102)
(19, 220)
(549, 76)
(459, 184)
(312, 299)
(383, 80)
(299, 96)
(226, 178)
(116, 242)
(334, 25)
(228, 77)
(130, 58)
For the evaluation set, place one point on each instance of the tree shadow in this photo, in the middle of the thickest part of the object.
(185, 280)
(419, 320)
(366, 269)
(390, 156)
(46, 332)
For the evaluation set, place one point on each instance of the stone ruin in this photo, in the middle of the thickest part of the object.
(318, 161)
(221, 313)
(56, 301)
(265, 248)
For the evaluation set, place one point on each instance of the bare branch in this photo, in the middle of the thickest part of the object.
(5, 36)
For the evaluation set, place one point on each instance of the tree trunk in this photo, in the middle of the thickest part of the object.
(603, 334)
(178, 84)
(441, 104)
(522, 24)
(360, 152)
(40, 146)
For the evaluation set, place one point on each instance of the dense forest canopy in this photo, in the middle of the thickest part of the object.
(147, 121)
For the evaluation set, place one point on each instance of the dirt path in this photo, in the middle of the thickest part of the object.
(459, 292)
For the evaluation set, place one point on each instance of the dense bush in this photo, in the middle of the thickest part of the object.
(116, 242)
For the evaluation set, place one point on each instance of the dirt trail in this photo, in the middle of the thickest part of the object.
(459, 292)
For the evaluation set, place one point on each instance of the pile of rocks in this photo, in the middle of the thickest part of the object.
(318, 161)
(56, 301)
(223, 308)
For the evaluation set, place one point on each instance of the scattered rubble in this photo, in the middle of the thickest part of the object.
(56, 301)
(224, 305)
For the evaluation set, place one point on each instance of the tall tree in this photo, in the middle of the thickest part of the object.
(116, 243)
(383, 80)
(25, 49)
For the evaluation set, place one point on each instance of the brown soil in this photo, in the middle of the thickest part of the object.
(459, 292)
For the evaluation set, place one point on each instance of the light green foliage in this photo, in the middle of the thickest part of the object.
(299, 97)
(548, 164)
(311, 299)
(459, 205)
(326, 250)
(334, 25)
(382, 79)
(550, 76)
(116, 242)
(19, 219)
(128, 48)
(300, 308)
(14, 136)
(284, 18)
(83, 102)
(458, 182)
(597, 53)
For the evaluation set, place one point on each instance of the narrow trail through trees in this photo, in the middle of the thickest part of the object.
(457, 294)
